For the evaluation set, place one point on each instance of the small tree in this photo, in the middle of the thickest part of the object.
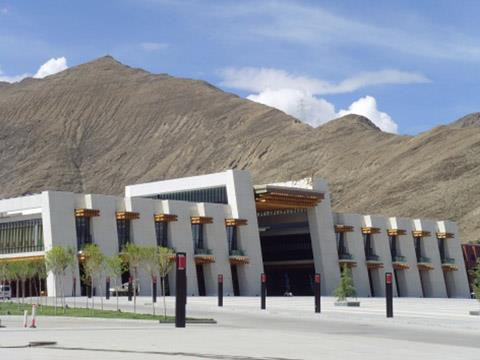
(14, 275)
(93, 265)
(132, 255)
(3, 275)
(58, 259)
(345, 288)
(150, 262)
(41, 273)
(476, 280)
(23, 273)
(114, 267)
(166, 258)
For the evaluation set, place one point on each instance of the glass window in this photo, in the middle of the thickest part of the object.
(21, 236)
(161, 232)
(197, 234)
(84, 237)
(123, 232)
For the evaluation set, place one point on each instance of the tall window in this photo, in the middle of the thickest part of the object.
(393, 245)
(21, 236)
(82, 225)
(441, 248)
(123, 232)
(341, 248)
(197, 234)
(232, 238)
(161, 232)
(418, 249)
(367, 240)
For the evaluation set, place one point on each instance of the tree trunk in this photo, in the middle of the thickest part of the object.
(23, 291)
(164, 300)
(93, 295)
(135, 291)
(116, 290)
(153, 303)
(18, 292)
(30, 290)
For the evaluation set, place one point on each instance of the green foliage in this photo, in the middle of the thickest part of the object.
(345, 288)
(94, 260)
(132, 255)
(58, 259)
(476, 280)
(114, 266)
(165, 260)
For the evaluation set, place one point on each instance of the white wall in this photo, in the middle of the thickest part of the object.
(320, 221)
(216, 240)
(354, 241)
(58, 217)
(433, 281)
(455, 281)
(381, 247)
(409, 279)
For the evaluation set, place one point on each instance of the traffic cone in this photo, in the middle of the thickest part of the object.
(34, 313)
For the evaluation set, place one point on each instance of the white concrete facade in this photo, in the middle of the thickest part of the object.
(316, 223)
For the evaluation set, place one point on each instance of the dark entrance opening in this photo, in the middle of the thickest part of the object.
(236, 285)
(201, 281)
(288, 262)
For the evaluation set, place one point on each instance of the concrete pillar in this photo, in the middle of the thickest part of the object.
(58, 217)
(354, 244)
(241, 200)
(320, 222)
(142, 234)
(216, 240)
(432, 281)
(180, 235)
(408, 279)
(456, 282)
(381, 247)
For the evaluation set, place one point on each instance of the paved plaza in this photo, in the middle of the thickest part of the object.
(287, 330)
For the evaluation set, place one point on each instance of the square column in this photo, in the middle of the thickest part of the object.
(322, 234)
(433, 282)
(354, 244)
(456, 281)
(381, 247)
(408, 279)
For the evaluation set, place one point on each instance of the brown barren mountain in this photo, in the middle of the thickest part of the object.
(102, 125)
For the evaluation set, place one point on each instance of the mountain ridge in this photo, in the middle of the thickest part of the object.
(102, 125)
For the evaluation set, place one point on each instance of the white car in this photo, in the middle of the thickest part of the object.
(5, 292)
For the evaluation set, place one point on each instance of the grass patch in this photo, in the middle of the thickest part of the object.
(11, 308)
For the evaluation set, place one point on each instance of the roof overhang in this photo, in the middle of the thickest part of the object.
(271, 197)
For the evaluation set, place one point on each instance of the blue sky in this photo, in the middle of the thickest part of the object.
(409, 65)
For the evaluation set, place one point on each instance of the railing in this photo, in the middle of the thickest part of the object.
(237, 252)
(203, 251)
(345, 256)
(448, 261)
(21, 249)
(424, 259)
(373, 257)
(399, 258)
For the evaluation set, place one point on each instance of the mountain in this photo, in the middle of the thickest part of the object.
(102, 125)
(468, 121)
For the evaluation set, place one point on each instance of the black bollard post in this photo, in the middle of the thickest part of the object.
(220, 290)
(130, 289)
(263, 279)
(389, 293)
(317, 293)
(107, 288)
(154, 289)
(181, 290)
(74, 288)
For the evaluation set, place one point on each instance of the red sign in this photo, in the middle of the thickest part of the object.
(264, 278)
(220, 278)
(317, 278)
(388, 278)
(181, 262)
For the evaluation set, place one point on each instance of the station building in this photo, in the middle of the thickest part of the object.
(229, 226)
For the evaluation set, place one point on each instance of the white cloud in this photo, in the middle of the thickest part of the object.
(297, 95)
(298, 104)
(52, 66)
(260, 79)
(153, 46)
(367, 106)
